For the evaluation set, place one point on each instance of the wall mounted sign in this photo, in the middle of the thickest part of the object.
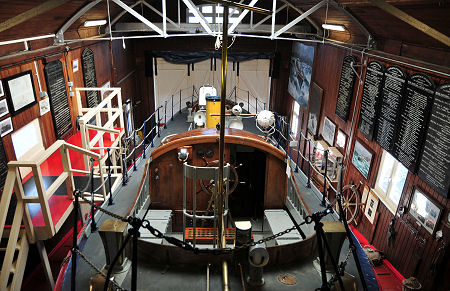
(424, 210)
(57, 92)
(315, 102)
(3, 107)
(20, 90)
(346, 85)
(362, 159)
(44, 106)
(328, 131)
(6, 126)
(89, 76)
(391, 99)
(341, 141)
(413, 119)
(370, 98)
(435, 162)
(75, 66)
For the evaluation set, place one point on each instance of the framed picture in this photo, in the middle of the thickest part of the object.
(315, 103)
(44, 106)
(425, 210)
(365, 194)
(3, 108)
(302, 60)
(371, 206)
(362, 159)
(341, 141)
(20, 90)
(2, 92)
(328, 131)
(5, 126)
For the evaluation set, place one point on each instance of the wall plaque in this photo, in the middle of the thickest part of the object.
(413, 119)
(59, 103)
(370, 98)
(435, 162)
(3, 165)
(390, 102)
(90, 79)
(346, 84)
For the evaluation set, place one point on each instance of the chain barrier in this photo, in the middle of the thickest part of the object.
(342, 266)
(96, 269)
(112, 214)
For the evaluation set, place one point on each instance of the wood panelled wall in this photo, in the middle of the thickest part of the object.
(412, 250)
(123, 62)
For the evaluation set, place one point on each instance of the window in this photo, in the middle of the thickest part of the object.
(213, 14)
(294, 118)
(390, 181)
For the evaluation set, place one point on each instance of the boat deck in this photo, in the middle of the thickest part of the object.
(160, 277)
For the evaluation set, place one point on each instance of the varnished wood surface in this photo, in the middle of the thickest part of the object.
(210, 135)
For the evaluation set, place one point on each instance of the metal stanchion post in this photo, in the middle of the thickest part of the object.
(172, 108)
(248, 101)
(110, 202)
(324, 194)
(93, 224)
(298, 151)
(180, 101)
(124, 171)
(308, 184)
(134, 151)
(157, 123)
(74, 243)
(165, 115)
(256, 107)
(144, 137)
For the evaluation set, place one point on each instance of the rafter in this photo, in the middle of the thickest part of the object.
(199, 15)
(412, 21)
(241, 16)
(33, 12)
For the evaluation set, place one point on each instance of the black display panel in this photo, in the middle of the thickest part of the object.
(413, 119)
(90, 79)
(370, 98)
(345, 93)
(435, 162)
(3, 165)
(390, 102)
(59, 103)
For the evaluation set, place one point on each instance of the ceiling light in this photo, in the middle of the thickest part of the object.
(95, 22)
(337, 27)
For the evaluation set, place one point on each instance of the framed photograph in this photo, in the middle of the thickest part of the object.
(20, 91)
(365, 194)
(315, 102)
(2, 92)
(425, 210)
(341, 141)
(328, 131)
(3, 107)
(44, 106)
(362, 159)
(371, 206)
(5, 126)
(302, 60)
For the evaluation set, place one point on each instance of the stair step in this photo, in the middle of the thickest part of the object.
(13, 267)
(19, 242)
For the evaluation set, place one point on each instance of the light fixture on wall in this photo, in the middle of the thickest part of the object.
(336, 27)
(98, 22)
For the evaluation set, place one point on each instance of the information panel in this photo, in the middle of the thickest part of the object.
(90, 79)
(59, 103)
(391, 98)
(435, 163)
(3, 165)
(370, 98)
(346, 84)
(413, 118)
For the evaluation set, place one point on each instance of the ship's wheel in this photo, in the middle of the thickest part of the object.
(350, 202)
(208, 185)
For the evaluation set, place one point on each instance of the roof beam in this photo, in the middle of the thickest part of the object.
(412, 21)
(138, 16)
(313, 23)
(241, 16)
(22, 17)
(300, 18)
(199, 15)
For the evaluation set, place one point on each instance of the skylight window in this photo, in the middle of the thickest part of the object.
(213, 14)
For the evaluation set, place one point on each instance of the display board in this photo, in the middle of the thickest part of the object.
(413, 119)
(59, 103)
(346, 84)
(391, 98)
(370, 98)
(90, 79)
(3, 165)
(435, 163)
(315, 102)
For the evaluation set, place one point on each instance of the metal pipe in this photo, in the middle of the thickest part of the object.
(172, 107)
(134, 150)
(226, 286)
(308, 184)
(73, 281)
(110, 202)
(144, 137)
(26, 39)
(324, 194)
